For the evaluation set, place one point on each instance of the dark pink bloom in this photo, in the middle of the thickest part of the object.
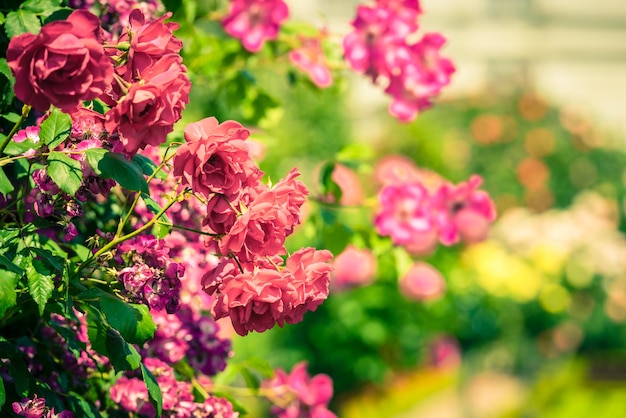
(216, 159)
(148, 43)
(298, 395)
(463, 211)
(64, 65)
(421, 75)
(255, 21)
(404, 211)
(310, 58)
(422, 282)
(147, 113)
(353, 267)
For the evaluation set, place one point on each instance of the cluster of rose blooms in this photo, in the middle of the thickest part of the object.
(417, 209)
(381, 46)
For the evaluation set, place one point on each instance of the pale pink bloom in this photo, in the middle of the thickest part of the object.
(310, 58)
(445, 352)
(404, 211)
(299, 395)
(353, 267)
(463, 211)
(216, 159)
(255, 21)
(422, 243)
(396, 169)
(422, 282)
(30, 132)
(421, 75)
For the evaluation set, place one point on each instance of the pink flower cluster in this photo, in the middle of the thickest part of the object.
(379, 47)
(297, 395)
(36, 408)
(178, 400)
(416, 212)
(143, 80)
(249, 222)
(152, 276)
(255, 21)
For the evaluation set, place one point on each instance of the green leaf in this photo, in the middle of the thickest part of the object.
(3, 395)
(21, 375)
(252, 381)
(55, 129)
(59, 14)
(7, 291)
(133, 321)
(65, 172)
(17, 148)
(115, 166)
(154, 391)
(40, 6)
(148, 166)
(109, 342)
(6, 186)
(21, 21)
(7, 81)
(40, 283)
(51, 259)
(9, 265)
(327, 185)
(159, 230)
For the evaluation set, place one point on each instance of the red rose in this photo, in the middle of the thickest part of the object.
(63, 65)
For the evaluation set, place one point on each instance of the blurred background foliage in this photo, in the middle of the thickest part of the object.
(532, 320)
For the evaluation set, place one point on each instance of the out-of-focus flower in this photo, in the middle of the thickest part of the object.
(353, 267)
(422, 282)
(299, 395)
(63, 65)
(255, 21)
(310, 58)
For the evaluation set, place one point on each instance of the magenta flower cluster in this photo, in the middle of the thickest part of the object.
(255, 21)
(380, 47)
(297, 395)
(417, 210)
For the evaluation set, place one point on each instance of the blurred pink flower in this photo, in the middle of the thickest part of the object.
(404, 211)
(255, 21)
(353, 267)
(422, 282)
(463, 212)
(310, 58)
(297, 395)
(445, 352)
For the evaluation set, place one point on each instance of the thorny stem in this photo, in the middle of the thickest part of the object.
(23, 116)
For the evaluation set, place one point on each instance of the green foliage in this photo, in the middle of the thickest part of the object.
(154, 391)
(115, 166)
(65, 171)
(21, 21)
(40, 284)
(55, 129)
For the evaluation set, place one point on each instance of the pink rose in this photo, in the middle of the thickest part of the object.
(255, 21)
(353, 267)
(310, 58)
(422, 282)
(216, 159)
(64, 65)
(147, 113)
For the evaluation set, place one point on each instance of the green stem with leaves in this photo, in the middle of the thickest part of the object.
(23, 116)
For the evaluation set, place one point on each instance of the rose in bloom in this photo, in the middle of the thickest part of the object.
(310, 58)
(353, 267)
(463, 211)
(64, 65)
(299, 395)
(421, 75)
(422, 282)
(404, 211)
(255, 21)
(147, 113)
(260, 298)
(215, 159)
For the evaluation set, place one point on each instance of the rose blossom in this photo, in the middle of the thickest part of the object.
(310, 58)
(64, 65)
(297, 394)
(422, 282)
(147, 113)
(255, 21)
(353, 267)
(215, 158)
